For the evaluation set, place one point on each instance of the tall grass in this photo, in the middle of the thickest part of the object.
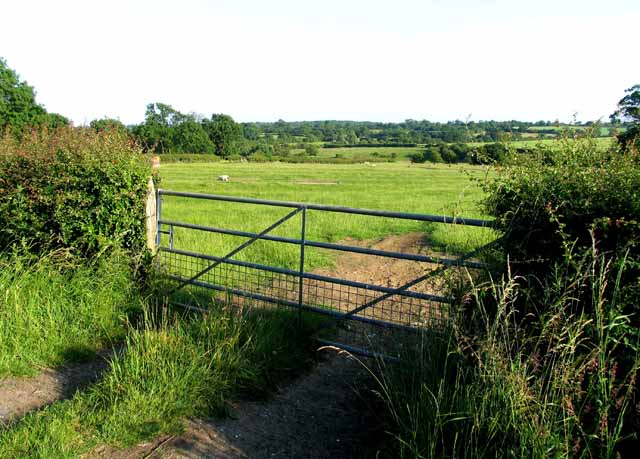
(172, 367)
(490, 387)
(56, 309)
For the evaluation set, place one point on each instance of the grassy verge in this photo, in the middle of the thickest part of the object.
(172, 368)
(57, 310)
(487, 388)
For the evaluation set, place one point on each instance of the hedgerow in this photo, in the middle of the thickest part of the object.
(566, 193)
(73, 188)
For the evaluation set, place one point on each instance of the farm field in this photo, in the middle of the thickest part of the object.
(442, 190)
(373, 154)
(370, 152)
(531, 143)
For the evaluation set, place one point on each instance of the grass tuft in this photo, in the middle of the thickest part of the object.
(56, 309)
(172, 367)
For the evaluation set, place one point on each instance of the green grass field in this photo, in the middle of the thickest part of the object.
(443, 190)
(371, 153)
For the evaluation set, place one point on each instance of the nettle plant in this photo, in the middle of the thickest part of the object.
(73, 188)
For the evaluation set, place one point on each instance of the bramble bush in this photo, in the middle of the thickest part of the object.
(560, 194)
(546, 361)
(559, 208)
(73, 188)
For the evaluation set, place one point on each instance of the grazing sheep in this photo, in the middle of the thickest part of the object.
(223, 178)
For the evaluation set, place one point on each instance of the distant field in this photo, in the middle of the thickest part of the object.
(602, 141)
(441, 189)
(370, 153)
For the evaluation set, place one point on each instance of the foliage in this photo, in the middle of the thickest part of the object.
(491, 153)
(18, 107)
(172, 368)
(57, 309)
(570, 217)
(225, 134)
(501, 392)
(312, 149)
(629, 110)
(190, 136)
(189, 158)
(408, 133)
(107, 124)
(155, 134)
(432, 155)
(73, 188)
(576, 188)
(438, 152)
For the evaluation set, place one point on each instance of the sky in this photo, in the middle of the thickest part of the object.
(326, 59)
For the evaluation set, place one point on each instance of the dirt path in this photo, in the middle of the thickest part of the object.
(18, 396)
(317, 416)
(320, 415)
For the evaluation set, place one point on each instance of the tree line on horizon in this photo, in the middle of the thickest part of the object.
(167, 130)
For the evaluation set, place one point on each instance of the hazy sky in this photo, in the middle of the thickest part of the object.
(326, 59)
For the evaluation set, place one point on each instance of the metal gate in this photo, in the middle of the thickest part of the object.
(359, 316)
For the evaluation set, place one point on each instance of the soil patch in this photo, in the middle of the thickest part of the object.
(317, 416)
(18, 396)
(387, 272)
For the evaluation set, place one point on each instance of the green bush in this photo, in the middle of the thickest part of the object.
(491, 153)
(550, 197)
(188, 158)
(555, 205)
(73, 188)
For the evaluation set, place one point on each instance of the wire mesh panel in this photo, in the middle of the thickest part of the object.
(357, 312)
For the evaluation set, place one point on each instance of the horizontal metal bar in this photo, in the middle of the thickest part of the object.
(294, 304)
(328, 208)
(189, 307)
(239, 248)
(317, 277)
(332, 246)
(358, 350)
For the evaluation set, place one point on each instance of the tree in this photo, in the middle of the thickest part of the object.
(54, 121)
(225, 134)
(629, 111)
(190, 137)
(156, 131)
(18, 107)
(432, 154)
(311, 149)
(107, 124)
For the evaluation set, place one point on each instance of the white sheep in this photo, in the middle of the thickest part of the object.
(223, 178)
